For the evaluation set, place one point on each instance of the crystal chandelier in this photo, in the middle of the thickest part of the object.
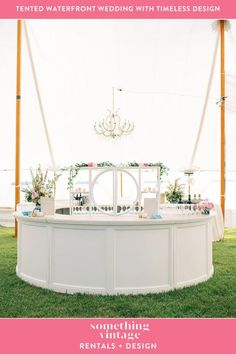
(112, 126)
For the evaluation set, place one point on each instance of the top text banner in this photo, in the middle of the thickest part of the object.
(130, 9)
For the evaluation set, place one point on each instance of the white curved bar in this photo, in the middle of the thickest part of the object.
(114, 255)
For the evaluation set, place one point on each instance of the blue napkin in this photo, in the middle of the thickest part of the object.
(155, 216)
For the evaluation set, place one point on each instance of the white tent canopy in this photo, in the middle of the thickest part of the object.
(163, 68)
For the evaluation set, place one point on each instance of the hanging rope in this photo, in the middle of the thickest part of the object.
(164, 93)
(205, 102)
(39, 97)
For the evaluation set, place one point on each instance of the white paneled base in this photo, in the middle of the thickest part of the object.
(196, 280)
(114, 258)
(33, 281)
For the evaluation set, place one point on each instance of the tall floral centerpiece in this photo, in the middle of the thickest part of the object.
(40, 187)
(175, 191)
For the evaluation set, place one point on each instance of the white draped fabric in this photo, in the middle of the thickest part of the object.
(163, 68)
(218, 224)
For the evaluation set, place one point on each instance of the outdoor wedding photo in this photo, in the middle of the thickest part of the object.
(118, 172)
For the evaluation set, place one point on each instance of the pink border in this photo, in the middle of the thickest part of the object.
(185, 336)
(227, 9)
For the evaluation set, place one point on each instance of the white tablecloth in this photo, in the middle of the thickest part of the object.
(230, 218)
(218, 224)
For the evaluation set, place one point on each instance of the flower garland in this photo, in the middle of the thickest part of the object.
(74, 169)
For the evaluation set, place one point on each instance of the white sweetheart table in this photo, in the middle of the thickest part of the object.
(114, 255)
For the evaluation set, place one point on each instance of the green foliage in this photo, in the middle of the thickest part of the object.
(73, 170)
(133, 164)
(215, 298)
(105, 164)
(163, 168)
(175, 191)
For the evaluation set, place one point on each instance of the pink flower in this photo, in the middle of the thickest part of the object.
(90, 164)
(205, 204)
(210, 205)
(34, 195)
(145, 164)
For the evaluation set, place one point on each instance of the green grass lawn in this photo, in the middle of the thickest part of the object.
(214, 298)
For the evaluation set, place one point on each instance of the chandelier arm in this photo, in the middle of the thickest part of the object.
(99, 131)
(107, 130)
(109, 125)
(132, 127)
(126, 126)
(119, 122)
(105, 126)
(96, 128)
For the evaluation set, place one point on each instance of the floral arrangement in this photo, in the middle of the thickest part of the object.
(205, 207)
(175, 191)
(40, 186)
(74, 169)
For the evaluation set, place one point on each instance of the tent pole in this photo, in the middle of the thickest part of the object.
(222, 120)
(18, 112)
